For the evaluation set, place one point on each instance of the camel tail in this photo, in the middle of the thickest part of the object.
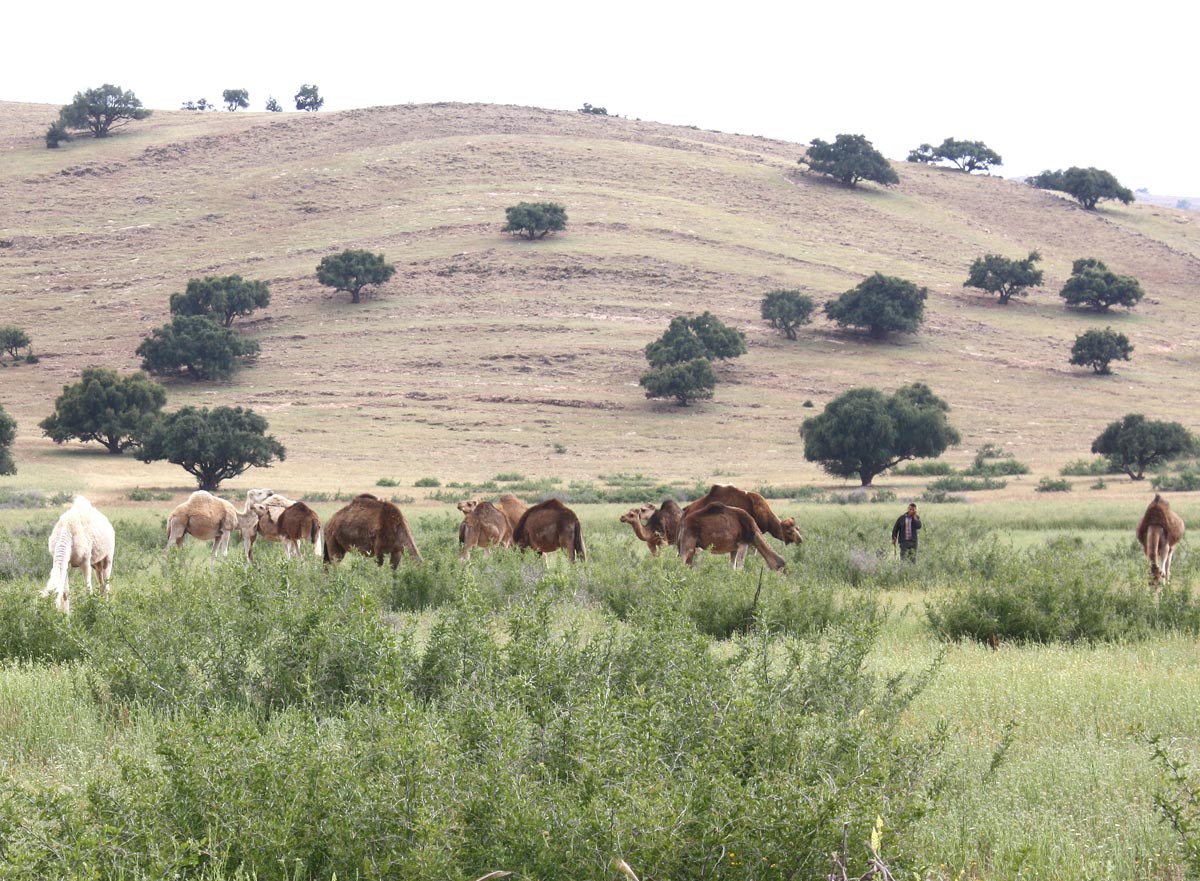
(324, 551)
(579, 546)
(62, 559)
(316, 536)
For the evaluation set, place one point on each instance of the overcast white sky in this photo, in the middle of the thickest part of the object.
(1046, 84)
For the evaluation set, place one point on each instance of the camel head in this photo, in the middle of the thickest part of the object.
(258, 495)
(468, 505)
(791, 532)
(633, 515)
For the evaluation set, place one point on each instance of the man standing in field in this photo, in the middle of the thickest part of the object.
(905, 532)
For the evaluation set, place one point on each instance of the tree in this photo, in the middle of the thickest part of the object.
(535, 220)
(201, 105)
(352, 270)
(688, 381)
(864, 432)
(967, 155)
(881, 304)
(1086, 185)
(221, 298)
(1093, 286)
(100, 110)
(105, 407)
(308, 98)
(850, 158)
(56, 134)
(1096, 348)
(8, 434)
(687, 339)
(273, 105)
(195, 346)
(1001, 275)
(595, 111)
(1136, 443)
(786, 310)
(212, 446)
(236, 99)
(12, 340)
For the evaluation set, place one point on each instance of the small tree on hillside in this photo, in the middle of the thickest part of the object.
(195, 347)
(685, 382)
(56, 134)
(687, 339)
(786, 310)
(8, 434)
(969, 156)
(1093, 286)
(102, 109)
(1098, 348)
(534, 220)
(235, 99)
(212, 446)
(105, 407)
(201, 105)
(1086, 185)
(308, 98)
(1136, 443)
(12, 340)
(881, 304)
(1004, 276)
(720, 341)
(221, 298)
(352, 270)
(594, 111)
(273, 106)
(864, 432)
(850, 158)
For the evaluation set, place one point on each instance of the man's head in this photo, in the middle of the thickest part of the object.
(912, 510)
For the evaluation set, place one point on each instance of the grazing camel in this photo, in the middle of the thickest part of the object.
(548, 527)
(723, 529)
(372, 527)
(634, 516)
(751, 502)
(82, 538)
(203, 516)
(265, 521)
(1159, 531)
(296, 523)
(484, 526)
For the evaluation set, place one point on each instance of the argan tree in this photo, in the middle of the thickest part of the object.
(1088, 186)
(308, 98)
(786, 310)
(687, 339)
(534, 220)
(864, 432)
(273, 105)
(1099, 348)
(1004, 276)
(212, 446)
(221, 298)
(195, 347)
(968, 156)
(685, 382)
(1135, 443)
(880, 305)
(236, 99)
(201, 106)
(12, 340)
(105, 407)
(850, 158)
(102, 109)
(1093, 285)
(8, 434)
(352, 270)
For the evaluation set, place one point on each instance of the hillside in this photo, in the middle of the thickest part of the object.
(487, 354)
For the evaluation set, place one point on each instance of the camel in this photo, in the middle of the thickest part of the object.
(484, 526)
(296, 523)
(82, 538)
(653, 539)
(751, 502)
(1159, 531)
(372, 527)
(203, 516)
(548, 527)
(512, 508)
(723, 529)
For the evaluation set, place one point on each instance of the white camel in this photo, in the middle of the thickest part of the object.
(82, 538)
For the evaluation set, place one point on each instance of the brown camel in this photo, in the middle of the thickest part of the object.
(203, 516)
(751, 502)
(371, 527)
(484, 526)
(261, 516)
(723, 529)
(296, 523)
(548, 527)
(512, 508)
(634, 516)
(667, 520)
(1159, 531)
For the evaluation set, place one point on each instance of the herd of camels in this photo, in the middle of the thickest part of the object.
(725, 520)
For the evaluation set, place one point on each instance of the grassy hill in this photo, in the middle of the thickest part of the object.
(487, 354)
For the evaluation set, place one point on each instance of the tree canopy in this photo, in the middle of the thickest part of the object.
(864, 432)
(212, 446)
(1086, 185)
(1093, 286)
(1004, 276)
(273, 105)
(105, 407)
(8, 434)
(881, 304)
(687, 381)
(969, 156)
(534, 220)
(13, 339)
(201, 105)
(786, 310)
(236, 99)
(1098, 348)
(101, 109)
(850, 158)
(1135, 443)
(221, 298)
(308, 98)
(686, 339)
(196, 347)
(352, 270)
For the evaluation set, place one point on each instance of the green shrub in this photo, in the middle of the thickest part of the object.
(137, 494)
(387, 481)
(1052, 485)
(1088, 468)
(959, 483)
(996, 468)
(940, 497)
(428, 481)
(508, 477)
(1187, 480)
(932, 468)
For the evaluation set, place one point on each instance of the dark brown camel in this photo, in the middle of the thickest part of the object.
(1159, 531)
(752, 503)
(723, 529)
(371, 527)
(548, 527)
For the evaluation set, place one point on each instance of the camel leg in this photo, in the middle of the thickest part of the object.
(175, 533)
(738, 557)
(1167, 561)
(105, 568)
